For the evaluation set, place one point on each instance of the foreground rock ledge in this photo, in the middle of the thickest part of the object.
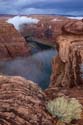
(22, 103)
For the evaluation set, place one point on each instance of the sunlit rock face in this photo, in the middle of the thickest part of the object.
(70, 56)
(12, 44)
(36, 67)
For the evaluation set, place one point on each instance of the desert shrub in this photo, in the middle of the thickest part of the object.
(65, 109)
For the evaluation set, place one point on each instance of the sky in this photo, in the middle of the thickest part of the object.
(64, 7)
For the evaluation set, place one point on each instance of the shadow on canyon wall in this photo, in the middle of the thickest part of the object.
(36, 67)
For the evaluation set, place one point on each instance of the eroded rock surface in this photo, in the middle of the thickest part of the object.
(12, 44)
(71, 55)
(25, 105)
(46, 30)
(22, 102)
(67, 36)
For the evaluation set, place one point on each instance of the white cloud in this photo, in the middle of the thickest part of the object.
(17, 21)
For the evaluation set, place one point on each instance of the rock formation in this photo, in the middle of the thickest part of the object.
(22, 103)
(12, 44)
(70, 67)
(67, 36)
(67, 67)
(46, 30)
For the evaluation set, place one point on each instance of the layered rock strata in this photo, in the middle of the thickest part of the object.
(71, 55)
(12, 44)
(67, 36)
(46, 30)
(77, 93)
(22, 102)
(67, 67)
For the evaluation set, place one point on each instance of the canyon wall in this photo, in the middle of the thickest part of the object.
(69, 72)
(22, 101)
(67, 36)
(12, 44)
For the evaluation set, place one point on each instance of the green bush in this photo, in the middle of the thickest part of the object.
(65, 109)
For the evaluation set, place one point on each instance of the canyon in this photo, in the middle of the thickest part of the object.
(66, 36)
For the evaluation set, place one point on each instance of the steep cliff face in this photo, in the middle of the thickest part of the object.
(22, 103)
(71, 55)
(12, 44)
(67, 67)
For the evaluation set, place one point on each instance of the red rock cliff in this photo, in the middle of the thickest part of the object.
(12, 44)
(69, 72)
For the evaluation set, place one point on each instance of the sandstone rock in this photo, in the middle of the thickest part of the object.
(22, 102)
(67, 36)
(71, 54)
(67, 68)
(12, 44)
(74, 27)
(77, 93)
(46, 30)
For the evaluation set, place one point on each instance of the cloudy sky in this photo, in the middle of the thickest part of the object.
(66, 7)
